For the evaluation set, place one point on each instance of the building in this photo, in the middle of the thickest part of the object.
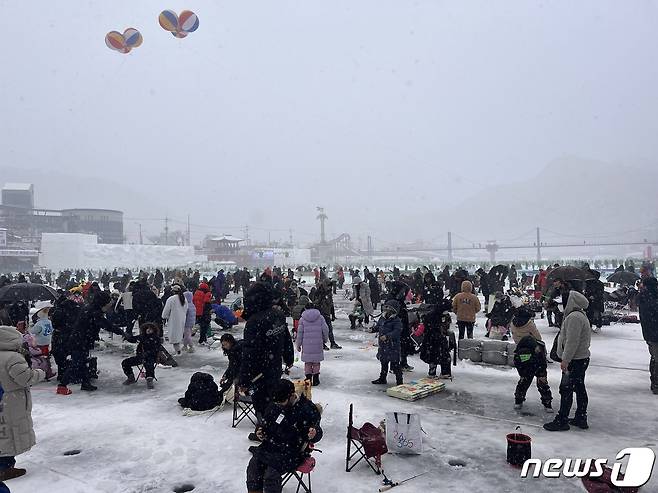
(27, 223)
(18, 195)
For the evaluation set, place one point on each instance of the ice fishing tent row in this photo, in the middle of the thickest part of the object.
(486, 351)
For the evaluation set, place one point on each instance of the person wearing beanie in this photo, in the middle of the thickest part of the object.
(466, 306)
(648, 305)
(435, 349)
(389, 330)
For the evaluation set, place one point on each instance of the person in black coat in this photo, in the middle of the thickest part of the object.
(435, 349)
(398, 291)
(85, 333)
(530, 362)
(375, 291)
(64, 316)
(648, 306)
(485, 287)
(501, 313)
(290, 428)
(233, 351)
(595, 293)
(266, 346)
(148, 347)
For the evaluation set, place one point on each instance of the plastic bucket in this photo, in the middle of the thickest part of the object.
(519, 448)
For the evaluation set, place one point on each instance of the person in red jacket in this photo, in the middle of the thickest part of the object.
(202, 299)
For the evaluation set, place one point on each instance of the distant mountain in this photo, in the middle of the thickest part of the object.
(570, 196)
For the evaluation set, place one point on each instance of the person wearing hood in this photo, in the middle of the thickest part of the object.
(175, 313)
(648, 306)
(466, 305)
(573, 350)
(16, 427)
(202, 299)
(312, 334)
(361, 292)
(322, 297)
(389, 330)
(530, 359)
(500, 317)
(190, 320)
(220, 285)
(266, 346)
(435, 349)
(302, 302)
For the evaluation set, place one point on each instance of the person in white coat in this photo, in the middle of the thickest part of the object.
(16, 427)
(175, 313)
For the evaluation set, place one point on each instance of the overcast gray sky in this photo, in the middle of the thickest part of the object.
(372, 108)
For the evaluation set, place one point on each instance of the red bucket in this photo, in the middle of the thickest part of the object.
(519, 448)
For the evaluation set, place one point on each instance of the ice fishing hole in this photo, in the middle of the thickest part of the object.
(457, 463)
(183, 488)
(72, 452)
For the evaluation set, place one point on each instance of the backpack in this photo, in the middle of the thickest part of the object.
(554, 355)
(202, 393)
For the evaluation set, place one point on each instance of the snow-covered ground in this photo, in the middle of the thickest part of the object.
(135, 440)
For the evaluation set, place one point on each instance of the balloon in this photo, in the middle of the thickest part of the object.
(133, 38)
(116, 41)
(179, 25)
(188, 21)
(123, 43)
(168, 20)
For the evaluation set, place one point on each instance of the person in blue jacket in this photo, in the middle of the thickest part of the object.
(389, 328)
(225, 316)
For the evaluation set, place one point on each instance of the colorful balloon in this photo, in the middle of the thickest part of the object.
(133, 38)
(188, 21)
(115, 41)
(123, 43)
(179, 25)
(168, 20)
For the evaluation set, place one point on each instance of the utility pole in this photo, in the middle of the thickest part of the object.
(322, 217)
(449, 246)
(538, 247)
(370, 249)
(189, 240)
(166, 231)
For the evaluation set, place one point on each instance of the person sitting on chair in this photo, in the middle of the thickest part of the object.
(148, 348)
(291, 425)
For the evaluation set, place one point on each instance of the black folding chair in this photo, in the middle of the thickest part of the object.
(243, 407)
(369, 444)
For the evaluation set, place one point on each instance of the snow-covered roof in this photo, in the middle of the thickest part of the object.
(226, 238)
(17, 186)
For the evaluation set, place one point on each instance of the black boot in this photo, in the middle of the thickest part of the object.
(88, 387)
(309, 377)
(398, 379)
(381, 380)
(557, 424)
(580, 422)
(316, 380)
(432, 372)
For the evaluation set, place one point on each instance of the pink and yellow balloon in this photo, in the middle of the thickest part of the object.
(179, 25)
(123, 43)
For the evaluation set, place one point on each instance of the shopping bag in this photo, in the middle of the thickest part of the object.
(403, 433)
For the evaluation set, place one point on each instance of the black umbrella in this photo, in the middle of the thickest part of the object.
(624, 277)
(569, 273)
(27, 292)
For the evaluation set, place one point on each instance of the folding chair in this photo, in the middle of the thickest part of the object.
(305, 468)
(243, 408)
(369, 443)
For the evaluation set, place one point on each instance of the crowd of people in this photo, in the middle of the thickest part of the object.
(410, 313)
